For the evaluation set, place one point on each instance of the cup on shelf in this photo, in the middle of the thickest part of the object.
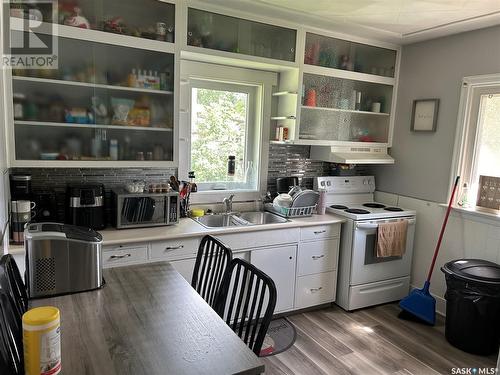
(310, 100)
(376, 106)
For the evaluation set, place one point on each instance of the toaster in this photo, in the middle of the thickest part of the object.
(61, 259)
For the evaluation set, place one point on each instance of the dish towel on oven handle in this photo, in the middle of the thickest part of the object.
(391, 239)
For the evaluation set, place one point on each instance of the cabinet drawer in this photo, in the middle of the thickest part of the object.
(264, 238)
(174, 249)
(317, 256)
(122, 256)
(315, 289)
(319, 231)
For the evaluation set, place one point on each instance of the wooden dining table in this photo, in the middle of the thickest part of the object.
(146, 319)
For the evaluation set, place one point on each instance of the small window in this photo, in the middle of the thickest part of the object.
(224, 135)
(479, 143)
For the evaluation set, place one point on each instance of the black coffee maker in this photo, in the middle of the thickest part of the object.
(85, 206)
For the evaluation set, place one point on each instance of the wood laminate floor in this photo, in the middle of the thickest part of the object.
(369, 341)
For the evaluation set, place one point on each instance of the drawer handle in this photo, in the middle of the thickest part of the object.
(314, 290)
(319, 231)
(316, 257)
(174, 247)
(120, 256)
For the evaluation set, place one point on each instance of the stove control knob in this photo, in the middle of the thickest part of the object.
(370, 182)
(328, 183)
(322, 183)
(365, 182)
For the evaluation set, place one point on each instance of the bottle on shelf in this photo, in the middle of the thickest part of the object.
(140, 79)
(132, 79)
(464, 198)
(113, 149)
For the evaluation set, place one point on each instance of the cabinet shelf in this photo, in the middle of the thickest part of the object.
(95, 36)
(91, 85)
(345, 110)
(93, 126)
(283, 93)
(283, 118)
(348, 74)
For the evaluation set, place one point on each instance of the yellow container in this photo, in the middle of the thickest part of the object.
(42, 341)
(197, 212)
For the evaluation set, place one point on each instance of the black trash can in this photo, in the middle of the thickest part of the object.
(473, 305)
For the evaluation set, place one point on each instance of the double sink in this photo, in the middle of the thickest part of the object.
(240, 219)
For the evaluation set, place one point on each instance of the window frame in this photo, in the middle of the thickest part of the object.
(253, 127)
(468, 131)
(264, 81)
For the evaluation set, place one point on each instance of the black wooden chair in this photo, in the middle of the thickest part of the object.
(11, 346)
(246, 302)
(211, 264)
(12, 283)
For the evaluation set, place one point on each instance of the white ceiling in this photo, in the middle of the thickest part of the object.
(395, 16)
(401, 21)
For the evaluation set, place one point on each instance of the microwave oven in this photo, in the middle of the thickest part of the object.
(139, 210)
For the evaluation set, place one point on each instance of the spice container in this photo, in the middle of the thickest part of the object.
(42, 341)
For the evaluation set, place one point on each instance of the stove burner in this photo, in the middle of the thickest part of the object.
(374, 205)
(338, 207)
(393, 209)
(357, 211)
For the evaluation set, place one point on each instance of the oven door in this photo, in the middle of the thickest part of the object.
(366, 267)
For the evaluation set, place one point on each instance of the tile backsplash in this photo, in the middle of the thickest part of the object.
(56, 179)
(293, 160)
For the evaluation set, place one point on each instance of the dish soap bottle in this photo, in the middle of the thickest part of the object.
(464, 198)
(194, 187)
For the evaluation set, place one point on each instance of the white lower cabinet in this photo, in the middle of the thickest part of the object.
(185, 267)
(315, 289)
(279, 264)
(301, 261)
(124, 255)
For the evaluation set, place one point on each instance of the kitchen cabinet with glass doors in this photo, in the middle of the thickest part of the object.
(111, 101)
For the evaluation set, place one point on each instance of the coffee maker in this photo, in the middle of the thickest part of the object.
(85, 206)
(21, 205)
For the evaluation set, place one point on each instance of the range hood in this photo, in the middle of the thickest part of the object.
(351, 155)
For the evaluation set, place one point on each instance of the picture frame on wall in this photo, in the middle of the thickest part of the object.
(424, 115)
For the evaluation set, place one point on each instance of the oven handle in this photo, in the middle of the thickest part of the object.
(375, 226)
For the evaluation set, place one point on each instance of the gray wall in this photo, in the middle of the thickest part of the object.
(434, 69)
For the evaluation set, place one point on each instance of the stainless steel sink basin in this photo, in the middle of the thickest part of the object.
(240, 219)
(259, 217)
(219, 221)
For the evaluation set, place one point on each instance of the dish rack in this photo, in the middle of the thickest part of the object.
(290, 211)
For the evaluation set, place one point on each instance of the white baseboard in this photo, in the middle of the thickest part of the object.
(440, 301)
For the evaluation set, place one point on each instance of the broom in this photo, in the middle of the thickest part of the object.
(419, 302)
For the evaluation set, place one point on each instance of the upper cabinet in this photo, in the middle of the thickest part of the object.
(346, 55)
(230, 34)
(346, 93)
(149, 19)
(111, 101)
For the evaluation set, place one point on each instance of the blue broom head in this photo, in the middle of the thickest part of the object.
(421, 304)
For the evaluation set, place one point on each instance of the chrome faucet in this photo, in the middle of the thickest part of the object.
(228, 204)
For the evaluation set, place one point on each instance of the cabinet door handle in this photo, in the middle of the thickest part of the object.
(314, 290)
(174, 247)
(319, 231)
(316, 257)
(120, 256)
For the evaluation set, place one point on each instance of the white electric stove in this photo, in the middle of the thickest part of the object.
(363, 278)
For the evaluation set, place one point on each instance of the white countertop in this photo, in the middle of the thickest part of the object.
(190, 228)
